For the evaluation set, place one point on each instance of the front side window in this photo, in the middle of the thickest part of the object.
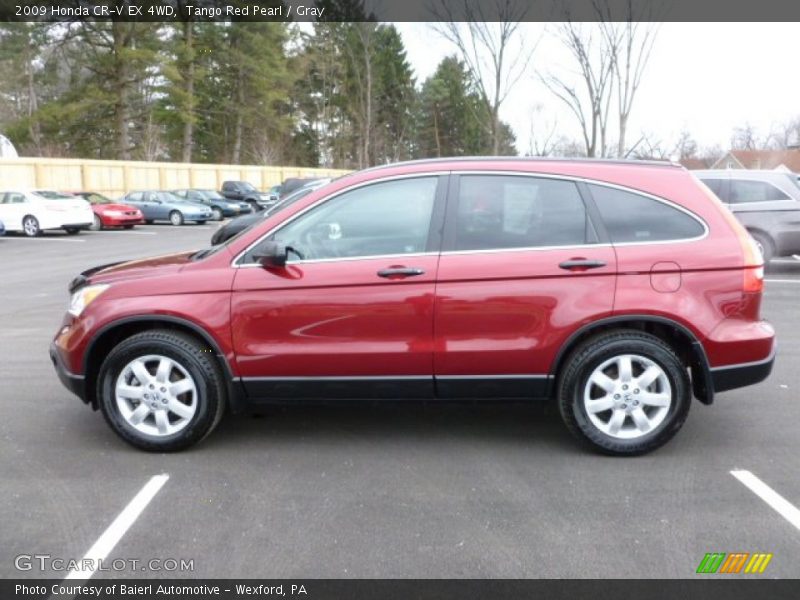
(507, 211)
(743, 191)
(631, 217)
(387, 218)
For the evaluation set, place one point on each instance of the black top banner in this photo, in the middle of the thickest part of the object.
(400, 10)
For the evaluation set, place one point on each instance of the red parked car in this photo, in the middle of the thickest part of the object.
(108, 213)
(619, 289)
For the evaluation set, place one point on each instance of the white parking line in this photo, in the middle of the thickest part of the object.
(38, 239)
(122, 232)
(782, 280)
(777, 502)
(106, 542)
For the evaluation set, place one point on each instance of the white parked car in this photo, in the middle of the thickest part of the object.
(35, 211)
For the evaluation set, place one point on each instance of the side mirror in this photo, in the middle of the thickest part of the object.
(272, 254)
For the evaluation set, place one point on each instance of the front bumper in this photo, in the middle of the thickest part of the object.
(109, 221)
(74, 383)
(731, 377)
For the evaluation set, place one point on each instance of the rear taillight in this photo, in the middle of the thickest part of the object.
(753, 270)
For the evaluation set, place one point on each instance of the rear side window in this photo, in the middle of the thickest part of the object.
(743, 191)
(716, 186)
(631, 217)
(507, 211)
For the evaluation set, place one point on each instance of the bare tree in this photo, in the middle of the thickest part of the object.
(589, 99)
(543, 130)
(492, 48)
(629, 42)
(745, 138)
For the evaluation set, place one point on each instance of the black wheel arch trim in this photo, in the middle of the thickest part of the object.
(702, 382)
(236, 397)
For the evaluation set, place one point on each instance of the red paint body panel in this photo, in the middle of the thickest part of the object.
(508, 313)
(334, 319)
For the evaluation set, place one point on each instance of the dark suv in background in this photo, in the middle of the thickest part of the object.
(244, 191)
(618, 289)
(766, 202)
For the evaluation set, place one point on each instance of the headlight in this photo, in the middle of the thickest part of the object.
(84, 297)
(115, 213)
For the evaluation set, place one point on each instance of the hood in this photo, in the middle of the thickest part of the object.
(149, 267)
(120, 207)
(191, 204)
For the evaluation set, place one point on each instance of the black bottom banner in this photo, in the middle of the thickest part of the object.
(388, 589)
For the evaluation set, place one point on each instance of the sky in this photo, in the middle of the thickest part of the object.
(706, 78)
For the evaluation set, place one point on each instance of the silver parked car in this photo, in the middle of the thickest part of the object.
(767, 203)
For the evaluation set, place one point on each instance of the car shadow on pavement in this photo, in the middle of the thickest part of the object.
(506, 423)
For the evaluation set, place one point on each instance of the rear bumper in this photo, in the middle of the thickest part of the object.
(74, 383)
(731, 377)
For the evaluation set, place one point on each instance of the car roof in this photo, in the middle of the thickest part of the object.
(754, 174)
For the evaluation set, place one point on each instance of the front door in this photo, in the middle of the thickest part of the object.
(351, 314)
(521, 268)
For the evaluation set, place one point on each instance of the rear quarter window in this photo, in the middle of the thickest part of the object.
(631, 217)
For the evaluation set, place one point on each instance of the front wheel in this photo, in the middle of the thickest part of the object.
(161, 391)
(624, 393)
(30, 225)
(97, 224)
(216, 214)
(72, 230)
(176, 217)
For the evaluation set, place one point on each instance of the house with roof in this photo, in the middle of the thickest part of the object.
(777, 160)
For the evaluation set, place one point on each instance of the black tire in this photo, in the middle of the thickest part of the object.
(127, 226)
(765, 244)
(590, 355)
(176, 217)
(149, 221)
(192, 356)
(217, 214)
(201, 222)
(30, 226)
(96, 225)
(72, 230)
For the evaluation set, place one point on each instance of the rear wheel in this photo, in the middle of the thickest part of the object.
(765, 244)
(97, 224)
(127, 226)
(624, 393)
(30, 225)
(72, 230)
(176, 217)
(149, 221)
(161, 391)
(201, 222)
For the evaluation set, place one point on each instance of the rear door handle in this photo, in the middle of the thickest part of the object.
(582, 263)
(400, 272)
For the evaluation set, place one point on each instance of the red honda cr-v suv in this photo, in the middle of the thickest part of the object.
(620, 289)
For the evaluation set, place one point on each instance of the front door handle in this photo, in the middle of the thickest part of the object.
(582, 264)
(400, 272)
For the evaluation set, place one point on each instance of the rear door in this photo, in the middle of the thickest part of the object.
(12, 207)
(352, 315)
(522, 267)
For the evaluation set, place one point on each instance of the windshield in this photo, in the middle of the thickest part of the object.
(169, 197)
(211, 195)
(97, 199)
(50, 195)
(247, 186)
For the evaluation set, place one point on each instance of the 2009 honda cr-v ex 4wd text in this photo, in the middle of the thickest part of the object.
(619, 289)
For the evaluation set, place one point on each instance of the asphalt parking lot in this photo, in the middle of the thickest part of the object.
(380, 491)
